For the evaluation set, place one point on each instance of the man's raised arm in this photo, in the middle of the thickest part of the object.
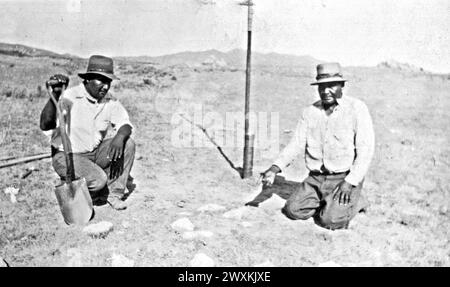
(55, 85)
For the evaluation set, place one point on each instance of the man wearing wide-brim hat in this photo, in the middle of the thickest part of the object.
(337, 137)
(93, 112)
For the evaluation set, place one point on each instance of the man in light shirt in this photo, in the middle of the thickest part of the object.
(337, 138)
(92, 111)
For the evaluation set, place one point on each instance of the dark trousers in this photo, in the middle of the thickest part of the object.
(94, 167)
(314, 198)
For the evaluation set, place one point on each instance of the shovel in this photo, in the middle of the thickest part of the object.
(73, 195)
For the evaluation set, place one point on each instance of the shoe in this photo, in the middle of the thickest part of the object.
(99, 200)
(117, 203)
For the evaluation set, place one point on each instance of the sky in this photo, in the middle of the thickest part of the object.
(352, 32)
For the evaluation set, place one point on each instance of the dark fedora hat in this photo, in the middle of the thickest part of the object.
(100, 65)
(329, 72)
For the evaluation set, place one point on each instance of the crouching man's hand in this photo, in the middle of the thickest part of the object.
(115, 155)
(343, 193)
(116, 151)
(268, 177)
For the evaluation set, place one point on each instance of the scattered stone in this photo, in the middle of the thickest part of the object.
(99, 230)
(202, 260)
(125, 224)
(181, 203)
(406, 142)
(266, 263)
(246, 224)
(211, 207)
(121, 261)
(199, 233)
(184, 213)
(75, 258)
(329, 264)
(287, 131)
(12, 191)
(183, 224)
(237, 213)
(395, 256)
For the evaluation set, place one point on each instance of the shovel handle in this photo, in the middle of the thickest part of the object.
(70, 169)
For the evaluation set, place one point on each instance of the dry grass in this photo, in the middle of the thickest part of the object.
(407, 185)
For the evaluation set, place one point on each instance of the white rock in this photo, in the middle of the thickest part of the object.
(194, 234)
(266, 263)
(395, 256)
(181, 203)
(211, 207)
(12, 191)
(99, 230)
(237, 213)
(329, 264)
(121, 261)
(202, 260)
(76, 259)
(183, 224)
(246, 224)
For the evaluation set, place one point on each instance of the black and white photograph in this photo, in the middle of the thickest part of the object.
(224, 133)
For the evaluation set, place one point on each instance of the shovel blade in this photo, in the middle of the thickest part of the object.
(75, 202)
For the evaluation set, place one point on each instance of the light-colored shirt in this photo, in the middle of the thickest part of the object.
(339, 142)
(88, 120)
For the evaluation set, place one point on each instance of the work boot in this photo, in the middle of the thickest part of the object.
(117, 203)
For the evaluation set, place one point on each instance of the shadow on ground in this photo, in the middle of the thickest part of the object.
(281, 187)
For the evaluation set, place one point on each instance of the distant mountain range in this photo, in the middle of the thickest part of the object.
(26, 51)
(235, 58)
(213, 58)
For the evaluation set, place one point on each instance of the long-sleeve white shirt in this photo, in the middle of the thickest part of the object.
(342, 141)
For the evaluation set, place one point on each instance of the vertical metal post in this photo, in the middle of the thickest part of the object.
(249, 135)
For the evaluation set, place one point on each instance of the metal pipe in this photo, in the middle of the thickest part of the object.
(26, 159)
(249, 136)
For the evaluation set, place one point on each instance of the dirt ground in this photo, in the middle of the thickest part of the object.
(407, 223)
